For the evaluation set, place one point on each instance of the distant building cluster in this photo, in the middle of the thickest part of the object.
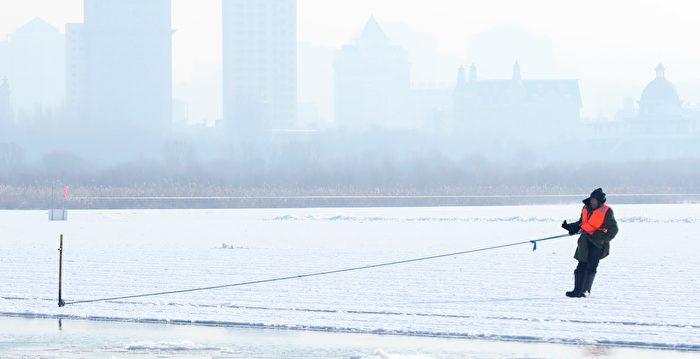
(111, 77)
(373, 89)
(661, 126)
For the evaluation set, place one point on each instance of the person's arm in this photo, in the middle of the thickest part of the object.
(572, 228)
(611, 225)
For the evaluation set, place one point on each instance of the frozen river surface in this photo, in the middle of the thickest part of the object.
(645, 295)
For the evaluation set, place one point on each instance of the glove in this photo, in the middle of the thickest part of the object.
(565, 225)
(570, 227)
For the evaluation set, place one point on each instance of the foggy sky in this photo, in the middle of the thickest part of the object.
(609, 46)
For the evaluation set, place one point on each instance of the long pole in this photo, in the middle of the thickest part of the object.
(61, 303)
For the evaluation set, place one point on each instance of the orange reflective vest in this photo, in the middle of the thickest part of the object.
(593, 221)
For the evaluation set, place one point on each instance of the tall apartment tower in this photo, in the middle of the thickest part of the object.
(5, 109)
(76, 67)
(119, 64)
(259, 65)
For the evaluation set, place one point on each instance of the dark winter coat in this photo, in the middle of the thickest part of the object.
(600, 239)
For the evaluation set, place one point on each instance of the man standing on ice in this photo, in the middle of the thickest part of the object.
(597, 227)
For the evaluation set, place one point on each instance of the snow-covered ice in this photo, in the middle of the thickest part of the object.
(645, 294)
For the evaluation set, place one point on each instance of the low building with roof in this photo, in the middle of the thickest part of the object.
(515, 108)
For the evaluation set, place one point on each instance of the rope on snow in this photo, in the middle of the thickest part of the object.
(317, 274)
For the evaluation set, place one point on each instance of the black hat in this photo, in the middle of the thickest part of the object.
(597, 194)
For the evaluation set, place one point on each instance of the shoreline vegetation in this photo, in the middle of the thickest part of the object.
(192, 196)
(374, 182)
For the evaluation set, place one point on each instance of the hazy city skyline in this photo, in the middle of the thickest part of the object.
(339, 96)
(586, 42)
(390, 79)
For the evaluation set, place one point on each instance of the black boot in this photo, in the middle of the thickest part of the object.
(587, 284)
(578, 284)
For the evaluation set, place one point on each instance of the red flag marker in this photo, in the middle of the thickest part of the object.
(65, 192)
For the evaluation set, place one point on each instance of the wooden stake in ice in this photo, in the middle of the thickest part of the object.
(61, 303)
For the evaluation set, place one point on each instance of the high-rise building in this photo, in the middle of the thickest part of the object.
(372, 81)
(259, 65)
(5, 109)
(33, 60)
(76, 77)
(120, 64)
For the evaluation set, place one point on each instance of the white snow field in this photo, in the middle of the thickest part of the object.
(645, 295)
